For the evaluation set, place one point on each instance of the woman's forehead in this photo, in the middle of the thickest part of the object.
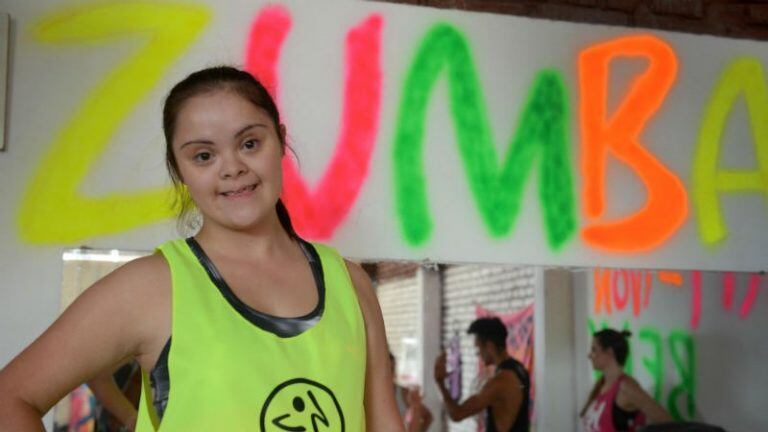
(223, 112)
(207, 105)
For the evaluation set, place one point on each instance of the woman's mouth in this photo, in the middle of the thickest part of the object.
(240, 192)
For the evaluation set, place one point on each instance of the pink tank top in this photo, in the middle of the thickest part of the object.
(600, 413)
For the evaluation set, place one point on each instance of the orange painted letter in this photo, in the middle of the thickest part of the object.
(667, 204)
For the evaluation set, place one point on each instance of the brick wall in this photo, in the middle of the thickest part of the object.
(742, 19)
(399, 300)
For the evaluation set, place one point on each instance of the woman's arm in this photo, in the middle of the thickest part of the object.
(112, 398)
(381, 413)
(108, 322)
(632, 392)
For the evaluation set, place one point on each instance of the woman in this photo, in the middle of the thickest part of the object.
(244, 326)
(616, 402)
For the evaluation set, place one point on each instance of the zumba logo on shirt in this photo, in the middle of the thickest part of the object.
(592, 416)
(300, 405)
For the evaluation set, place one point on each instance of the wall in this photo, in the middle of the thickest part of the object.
(400, 305)
(430, 278)
(555, 350)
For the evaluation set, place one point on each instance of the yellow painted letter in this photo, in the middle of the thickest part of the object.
(743, 76)
(52, 209)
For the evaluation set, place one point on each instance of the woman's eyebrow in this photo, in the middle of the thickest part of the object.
(200, 141)
(240, 132)
(249, 127)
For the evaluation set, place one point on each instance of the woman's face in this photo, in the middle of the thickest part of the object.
(229, 157)
(598, 356)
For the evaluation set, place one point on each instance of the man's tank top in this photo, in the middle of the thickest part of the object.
(522, 422)
(605, 415)
(228, 371)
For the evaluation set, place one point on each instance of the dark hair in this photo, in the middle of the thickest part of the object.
(205, 81)
(617, 342)
(490, 329)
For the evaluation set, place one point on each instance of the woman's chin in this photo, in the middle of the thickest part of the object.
(245, 224)
(239, 222)
(242, 219)
(245, 218)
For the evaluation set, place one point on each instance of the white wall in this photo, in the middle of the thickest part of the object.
(399, 299)
(431, 336)
(555, 351)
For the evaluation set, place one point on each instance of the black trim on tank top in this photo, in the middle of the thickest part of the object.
(623, 419)
(281, 326)
(160, 381)
(522, 421)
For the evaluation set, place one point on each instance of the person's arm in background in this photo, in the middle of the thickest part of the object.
(381, 414)
(112, 398)
(421, 417)
(472, 405)
(632, 392)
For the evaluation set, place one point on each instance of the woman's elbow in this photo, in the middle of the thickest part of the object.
(457, 416)
(661, 417)
(17, 414)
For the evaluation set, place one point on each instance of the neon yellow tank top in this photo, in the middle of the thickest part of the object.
(229, 374)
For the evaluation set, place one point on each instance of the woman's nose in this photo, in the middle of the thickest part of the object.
(232, 167)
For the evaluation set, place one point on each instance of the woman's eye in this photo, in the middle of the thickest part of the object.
(203, 157)
(250, 144)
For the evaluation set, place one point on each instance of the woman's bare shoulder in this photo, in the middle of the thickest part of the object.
(630, 389)
(139, 289)
(628, 383)
(139, 296)
(360, 280)
(148, 274)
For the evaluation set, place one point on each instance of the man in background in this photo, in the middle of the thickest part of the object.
(505, 396)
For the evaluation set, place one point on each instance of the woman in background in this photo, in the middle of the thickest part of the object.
(617, 402)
